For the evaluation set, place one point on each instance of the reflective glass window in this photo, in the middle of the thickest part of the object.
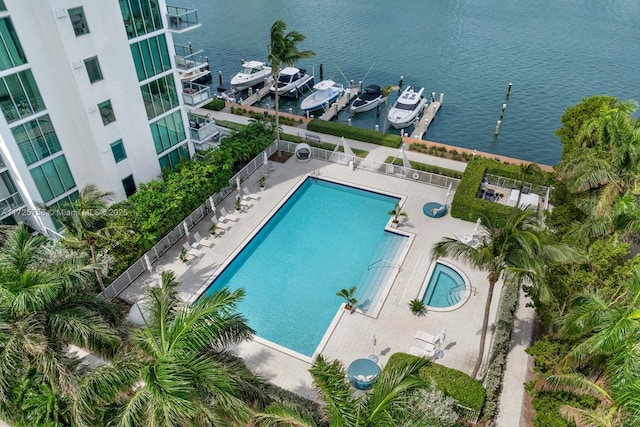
(117, 148)
(11, 53)
(53, 178)
(106, 112)
(93, 69)
(78, 21)
(36, 139)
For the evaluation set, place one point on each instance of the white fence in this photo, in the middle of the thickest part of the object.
(138, 267)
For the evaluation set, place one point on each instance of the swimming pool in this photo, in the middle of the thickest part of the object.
(446, 288)
(324, 238)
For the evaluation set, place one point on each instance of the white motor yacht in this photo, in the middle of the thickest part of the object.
(324, 94)
(406, 108)
(291, 82)
(252, 73)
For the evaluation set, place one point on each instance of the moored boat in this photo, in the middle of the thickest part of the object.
(291, 82)
(252, 73)
(324, 94)
(406, 108)
(369, 99)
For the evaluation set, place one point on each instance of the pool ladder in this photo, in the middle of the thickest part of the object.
(370, 266)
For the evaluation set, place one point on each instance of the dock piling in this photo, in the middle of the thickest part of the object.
(376, 128)
(220, 78)
(504, 107)
(321, 72)
(441, 97)
(495, 134)
(349, 122)
(509, 91)
(400, 84)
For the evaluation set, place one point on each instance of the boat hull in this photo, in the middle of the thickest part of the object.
(292, 90)
(368, 106)
(239, 83)
(313, 105)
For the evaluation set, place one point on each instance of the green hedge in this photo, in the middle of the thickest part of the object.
(215, 105)
(427, 168)
(465, 205)
(354, 132)
(458, 385)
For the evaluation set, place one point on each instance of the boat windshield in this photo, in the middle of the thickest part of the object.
(284, 78)
(401, 106)
(248, 70)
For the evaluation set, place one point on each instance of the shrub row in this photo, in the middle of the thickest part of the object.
(216, 104)
(440, 152)
(501, 343)
(458, 385)
(354, 132)
(427, 168)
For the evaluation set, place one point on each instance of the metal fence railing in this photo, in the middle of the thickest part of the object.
(467, 414)
(139, 266)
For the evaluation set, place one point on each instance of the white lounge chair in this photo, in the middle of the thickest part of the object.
(245, 203)
(429, 351)
(200, 241)
(191, 251)
(220, 225)
(249, 196)
(428, 338)
(225, 216)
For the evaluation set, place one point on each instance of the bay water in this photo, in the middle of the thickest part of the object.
(554, 52)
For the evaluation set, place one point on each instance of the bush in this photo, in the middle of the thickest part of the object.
(501, 343)
(354, 132)
(216, 104)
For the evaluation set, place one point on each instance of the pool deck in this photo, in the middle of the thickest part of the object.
(395, 326)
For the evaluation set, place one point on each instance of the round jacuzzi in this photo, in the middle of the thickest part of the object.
(447, 288)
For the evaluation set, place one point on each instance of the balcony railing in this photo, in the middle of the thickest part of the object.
(3, 165)
(10, 204)
(188, 58)
(180, 19)
(195, 94)
(202, 128)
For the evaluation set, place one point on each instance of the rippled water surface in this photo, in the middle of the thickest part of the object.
(554, 52)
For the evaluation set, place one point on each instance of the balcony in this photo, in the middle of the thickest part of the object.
(202, 128)
(188, 59)
(3, 165)
(180, 19)
(194, 94)
(10, 204)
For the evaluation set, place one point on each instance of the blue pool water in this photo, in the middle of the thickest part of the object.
(445, 289)
(320, 241)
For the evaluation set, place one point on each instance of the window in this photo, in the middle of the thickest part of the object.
(117, 148)
(78, 21)
(140, 17)
(129, 185)
(151, 57)
(11, 53)
(106, 112)
(172, 158)
(36, 139)
(2, 6)
(160, 96)
(93, 69)
(168, 131)
(19, 96)
(53, 178)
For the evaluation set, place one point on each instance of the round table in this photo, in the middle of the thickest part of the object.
(434, 209)
(363, 373)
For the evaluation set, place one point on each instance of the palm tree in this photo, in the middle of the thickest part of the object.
(175, 370)
(45, 305)
(531, 170)
(87, 223)
(345, 408)
(386, 91)
(514, 252)
(283, 52)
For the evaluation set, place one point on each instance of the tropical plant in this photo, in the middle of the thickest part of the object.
(348, 295)
(176, 369)
(386, 405)
(46, 304)
(283, 52)
(397, 212)
(515, 252)
(87, 223)
(417, 307)
(261, 181)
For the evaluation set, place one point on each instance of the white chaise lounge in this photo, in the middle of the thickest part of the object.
(225, 216)
(191, 251)
(249, 196)
(202, 241)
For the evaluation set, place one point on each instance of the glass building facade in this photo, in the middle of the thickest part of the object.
(11, 53)
(140, 17)
(151, 57)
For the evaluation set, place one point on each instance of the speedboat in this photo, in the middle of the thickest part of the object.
(200, 75)
(406, 108)
(368, 100)
(291, 81)
(252, 73)
(324, 94)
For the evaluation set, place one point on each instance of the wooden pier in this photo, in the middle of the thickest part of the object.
(257, 95)
(341, 103)
(429, 113)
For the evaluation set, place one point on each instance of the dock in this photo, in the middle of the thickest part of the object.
(341, 103)
(257, 95)
(429, 113)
